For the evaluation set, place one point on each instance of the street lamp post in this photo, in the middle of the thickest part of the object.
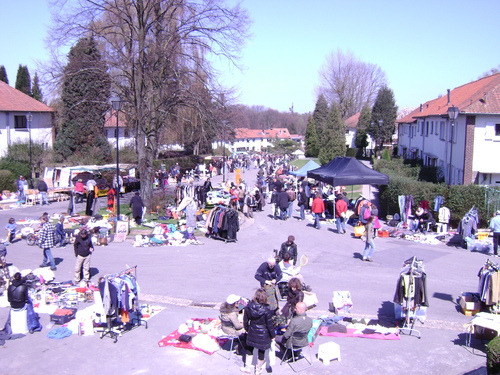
(117, 103)
(452, 115)
(29, 118)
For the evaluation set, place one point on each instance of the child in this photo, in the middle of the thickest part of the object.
(11, 228)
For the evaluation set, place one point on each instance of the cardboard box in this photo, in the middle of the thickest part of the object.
(469, 302)
(470, 312)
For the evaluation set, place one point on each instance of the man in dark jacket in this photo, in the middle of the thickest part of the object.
(137, 205)
(300, 325)
(43, 189)
(290, 247)
(83, 250)
(269, 274)
(282, 201)
(17, 293)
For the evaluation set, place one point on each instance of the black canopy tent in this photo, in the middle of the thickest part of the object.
(347, 171)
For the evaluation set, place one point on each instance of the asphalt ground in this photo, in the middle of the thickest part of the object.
(191, 281)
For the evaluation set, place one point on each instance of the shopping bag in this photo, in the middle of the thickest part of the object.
(310, 299)
(359, 229)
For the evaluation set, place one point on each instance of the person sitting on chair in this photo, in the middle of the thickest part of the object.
(229, 311)
(295, 295)
(296, 333)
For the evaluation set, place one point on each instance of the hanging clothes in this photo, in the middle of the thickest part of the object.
(468, 225)
(411, 288)
(438, 201)
(489, 283)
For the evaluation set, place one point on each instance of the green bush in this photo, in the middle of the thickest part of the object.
(493, 356)
(458, 198)
(7, 181)
(352, 152)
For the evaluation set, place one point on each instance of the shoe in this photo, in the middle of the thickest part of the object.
(369, 259)
(53, 268)
(364, 259)
(43, 265)
(258, 370)
(246, 369)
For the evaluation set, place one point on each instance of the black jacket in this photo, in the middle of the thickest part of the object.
(42, 186)
(264, 273)
(83, 245)
(257, 320)
(290, 249)
(17, 294)
(282, 200)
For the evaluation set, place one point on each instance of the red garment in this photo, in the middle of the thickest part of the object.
(318, 206)
(425, 205)
(79, 187)
(340, 207)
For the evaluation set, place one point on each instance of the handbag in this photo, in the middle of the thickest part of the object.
(359, 229)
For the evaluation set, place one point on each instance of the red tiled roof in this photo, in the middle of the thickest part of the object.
(352, 122)
(244, 133)
(481, 96)
(110, 121)
(17, 101)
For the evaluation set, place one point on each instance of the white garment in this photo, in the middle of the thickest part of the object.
(444, 215)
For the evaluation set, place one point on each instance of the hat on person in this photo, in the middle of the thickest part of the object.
(232, 298)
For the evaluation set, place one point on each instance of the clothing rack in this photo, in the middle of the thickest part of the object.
(222, 224)
(488, 277)
(134, 322)
(411, 294)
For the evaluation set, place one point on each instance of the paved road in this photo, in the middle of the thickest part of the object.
(191, 280)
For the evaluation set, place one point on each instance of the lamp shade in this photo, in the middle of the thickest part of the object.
(453, 113)
(117, 103)
(29, 117)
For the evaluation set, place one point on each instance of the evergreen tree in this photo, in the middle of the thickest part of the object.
(320, 116)
(364, 122)
(383, 119)
(36, 92)
(311, 140)
(333, 139)
(3, 74)
(23, 80)
(85, 92)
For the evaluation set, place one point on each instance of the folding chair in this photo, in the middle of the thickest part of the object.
(229, 338)
(295, 352)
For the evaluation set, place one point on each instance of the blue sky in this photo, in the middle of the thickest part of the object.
(424, 47)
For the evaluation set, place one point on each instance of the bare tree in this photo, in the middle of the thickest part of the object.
(160, 52)
(350, 82)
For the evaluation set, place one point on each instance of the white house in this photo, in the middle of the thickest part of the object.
(466, 148)
(112, 126)
(255, 139)
(23, 118)
(351, 127)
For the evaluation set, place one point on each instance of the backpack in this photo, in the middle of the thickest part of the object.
(367, 213)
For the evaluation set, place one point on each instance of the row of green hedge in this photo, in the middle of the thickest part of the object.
(458, 198)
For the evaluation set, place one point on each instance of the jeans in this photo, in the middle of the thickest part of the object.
(302, 212)
(316, 220)
(340, 222)
(496, 241)
(369, 248)
(290, 209)
(48, 258)
(43, 198)
(283, 213)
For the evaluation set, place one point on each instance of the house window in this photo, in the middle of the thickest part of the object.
(442, 131)
(497, 130)
(20, 122)
(431, 130)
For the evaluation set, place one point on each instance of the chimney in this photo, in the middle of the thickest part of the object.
(421, 107)
(449, 97)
